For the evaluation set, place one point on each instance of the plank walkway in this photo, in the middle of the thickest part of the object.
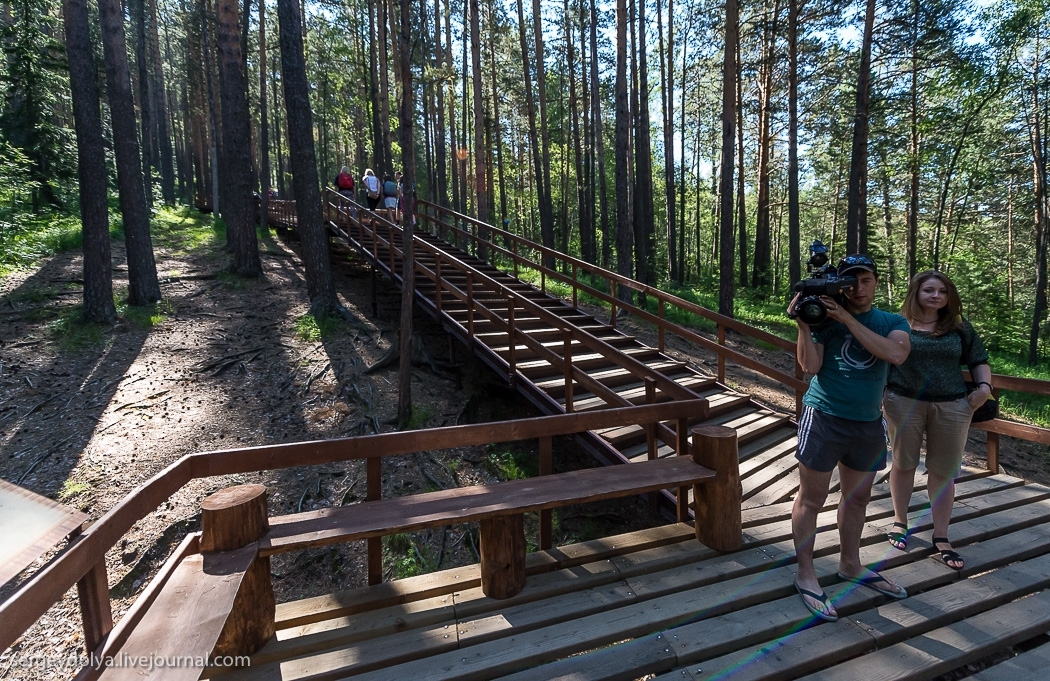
(655, 602)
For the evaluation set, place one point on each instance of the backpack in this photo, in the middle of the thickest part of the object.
(345, 182)
(389, 188)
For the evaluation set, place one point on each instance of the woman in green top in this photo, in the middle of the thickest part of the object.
(927, 395)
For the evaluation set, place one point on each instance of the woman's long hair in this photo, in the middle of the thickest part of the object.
(949, 317)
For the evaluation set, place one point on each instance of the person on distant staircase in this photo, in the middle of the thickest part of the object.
(841, 426)
(390, 195)
(370, 185)
(344, 182)
(927, 395)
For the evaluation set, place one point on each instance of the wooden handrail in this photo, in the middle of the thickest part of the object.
(437, 216)
(48, 586)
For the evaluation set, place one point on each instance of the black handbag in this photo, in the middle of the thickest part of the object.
(987, 411)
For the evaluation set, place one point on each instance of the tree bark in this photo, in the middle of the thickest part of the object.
(239, 211)
(264, 126)
(91, 165)
(729, 77)
(406, 118)
(857, 206)
(599, 141)
(544, 169)
(315, 251)
(143, 286)
(160, 98)
(794, 215)
(667, 95)
(624, 231)
(481, 190)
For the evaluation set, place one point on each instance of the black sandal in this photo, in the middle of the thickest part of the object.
(898, 540)
(948, 556)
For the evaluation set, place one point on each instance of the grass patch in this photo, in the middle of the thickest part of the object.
(143, 317)
(70, 489)
(72, 333)
(420, 416)
(312, 329)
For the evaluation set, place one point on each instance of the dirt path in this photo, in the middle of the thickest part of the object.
(227, 363)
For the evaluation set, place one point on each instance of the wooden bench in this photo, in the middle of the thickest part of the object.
(221, 603)
(499, 508)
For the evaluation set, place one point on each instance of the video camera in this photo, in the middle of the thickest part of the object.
(823, 281)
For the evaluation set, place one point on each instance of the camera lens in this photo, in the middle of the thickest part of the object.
(812, 311)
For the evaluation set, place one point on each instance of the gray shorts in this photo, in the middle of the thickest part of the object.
(824, 441)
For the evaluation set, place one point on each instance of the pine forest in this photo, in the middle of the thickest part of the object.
(696, 146)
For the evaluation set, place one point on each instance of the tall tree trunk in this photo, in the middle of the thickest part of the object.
(160, 98)
(546, 216)
(586, 226)
(741, 195)
(667, 98)
(857, 206)
(497, 132)
(794, 214)
(91, 165)
(544, 168)
(599, 141)
(138, 13)
(481, 192)
(440, 192)
(761, 277)
(1042, 232)
(729, 96)
(383, 153)
(913, 147)
(624, 231)
(264, 126)
(143, 286)
(406, 121)
(644, 221)
(239, 209)
(315, 252)
(213, 115)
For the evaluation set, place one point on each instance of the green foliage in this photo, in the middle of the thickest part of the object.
(420, 416)
(511, 462)
(403, 556)
(143, 317)
(72, 333)
(312, 329)
(70, 489)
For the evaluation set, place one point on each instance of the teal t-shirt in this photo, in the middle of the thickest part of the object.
(851, 379)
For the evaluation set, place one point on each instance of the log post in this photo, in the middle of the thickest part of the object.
(718, 523)
(503, 555)
(231, 519)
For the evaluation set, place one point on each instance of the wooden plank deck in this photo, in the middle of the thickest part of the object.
(656, 603)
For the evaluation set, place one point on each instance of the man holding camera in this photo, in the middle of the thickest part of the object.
(841, 424)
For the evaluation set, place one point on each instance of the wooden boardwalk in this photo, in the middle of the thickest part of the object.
(654, 603)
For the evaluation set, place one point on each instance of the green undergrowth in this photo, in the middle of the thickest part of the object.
(312, 329)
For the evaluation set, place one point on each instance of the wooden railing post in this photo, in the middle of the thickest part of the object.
(374, 487)
(992, 444)
(575, 288)
(722, 355)
(546, 468)
(231, 519)
(93, 593)
(682, 449)
(612, 303)
(437, 282)
(717, 511)
(567, 364)
(512, 363)
(470, 308)
(660, 332)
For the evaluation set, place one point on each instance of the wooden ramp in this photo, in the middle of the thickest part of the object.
(654, 604)
(563, 359)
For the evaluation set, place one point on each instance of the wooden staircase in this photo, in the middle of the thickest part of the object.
(564, 359)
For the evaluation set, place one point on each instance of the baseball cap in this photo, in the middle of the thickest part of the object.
(855, 262)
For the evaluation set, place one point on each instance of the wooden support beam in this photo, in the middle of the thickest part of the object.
(718, 522)
(93, 593)
(503, 555)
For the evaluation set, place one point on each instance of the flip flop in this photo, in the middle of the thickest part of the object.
(898, 540)
(872, 581)
(947, 556)
(820, 597)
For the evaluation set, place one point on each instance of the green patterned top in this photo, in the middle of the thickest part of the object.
(932, 371)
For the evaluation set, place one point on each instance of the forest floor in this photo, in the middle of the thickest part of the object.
(223, 363)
